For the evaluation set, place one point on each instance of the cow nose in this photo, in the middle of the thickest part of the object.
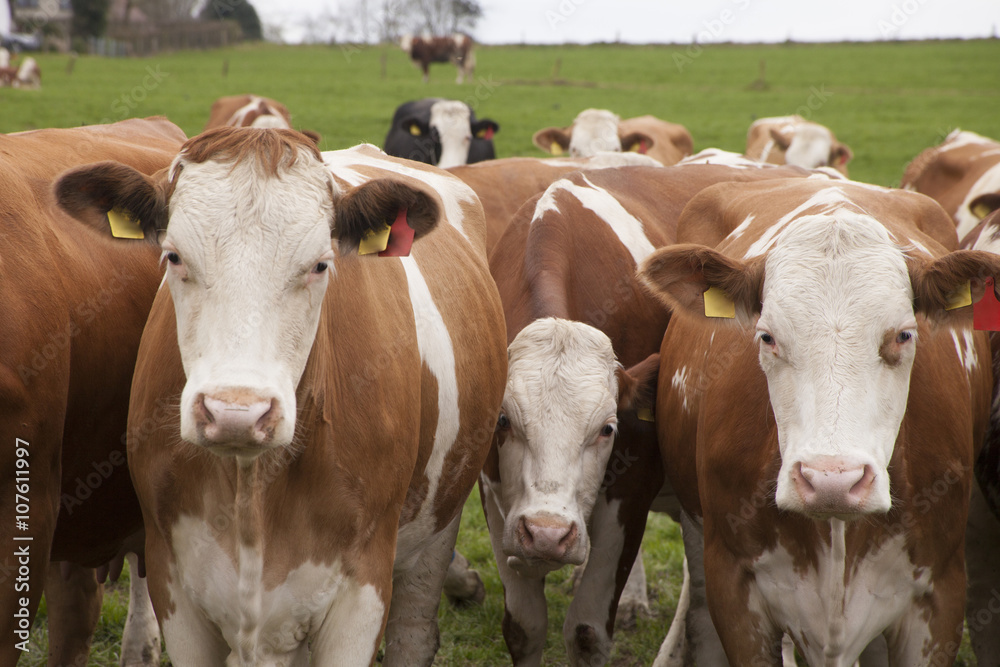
(237, 418)
(547, 538)
(833, 486)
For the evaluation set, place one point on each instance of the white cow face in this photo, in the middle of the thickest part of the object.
(811, 146)
(452, 122)
(837, 336)
(594, 130)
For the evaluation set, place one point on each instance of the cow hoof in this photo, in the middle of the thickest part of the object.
(588, 648)
(629, 613)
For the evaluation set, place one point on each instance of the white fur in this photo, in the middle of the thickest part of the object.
(273, 120)
(452, 121)
(988, 182)
(826, 201)
(594, 130)
(141, 636)
(561, 391)
(810, 147)
(965, 348)
(719, 156)
(835, 284)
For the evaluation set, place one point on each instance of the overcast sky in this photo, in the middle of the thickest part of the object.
(641, 21)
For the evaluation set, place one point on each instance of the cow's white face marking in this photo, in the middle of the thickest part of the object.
(247, 265)
(810, 147)
(594, 130)
(560, 405)
(452, 120)
(837, 338)
(988, 182)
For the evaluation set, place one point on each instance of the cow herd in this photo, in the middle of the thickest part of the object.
(282, 371)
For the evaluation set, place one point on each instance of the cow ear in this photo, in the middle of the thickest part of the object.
(313, 136)
(485, 128)
(637, 142)
(637, 387)
(985, 204)
(115, 199)
(840, 155)
(782, 140)
(942, 286)
(371, 207)
(704, 282)
(553, 140)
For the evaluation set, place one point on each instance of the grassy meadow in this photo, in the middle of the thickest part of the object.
(887, 101)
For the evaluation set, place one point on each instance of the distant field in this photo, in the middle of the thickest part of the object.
(887, 101)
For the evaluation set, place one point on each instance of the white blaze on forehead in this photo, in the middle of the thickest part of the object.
(989, 182)
(627, 227)
(594, 130)
(271, 120)
(452, 120)
(810, 147)
(275, 119)
(826, 201)
(453, 191)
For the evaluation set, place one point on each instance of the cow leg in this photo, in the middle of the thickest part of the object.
(982, 544)
(74, 602)
(634, 601)
(525, 618)
(141, 637)
(191, 639)
(700, 628)
(876, 654)
(411, 634)
(426, 68)
(674, 651)
(463, 584)
(909, 637)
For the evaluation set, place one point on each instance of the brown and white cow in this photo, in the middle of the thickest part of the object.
(795, 141)
(596, 130)
(962, 174)
(503, 185)
(334, 408)
(576, 468)
(823, 437)
(75, 303)
(456, 49)
(248, 111)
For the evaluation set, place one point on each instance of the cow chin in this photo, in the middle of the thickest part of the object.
(237, 421)
(825, 487)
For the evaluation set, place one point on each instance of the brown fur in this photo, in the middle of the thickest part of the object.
(224, 108)
(271, 149)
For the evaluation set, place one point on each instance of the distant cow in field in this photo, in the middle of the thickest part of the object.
(456, 49)
(962, 174)
(595, 130)
(795, 141)
(441, 132)
(248, 111)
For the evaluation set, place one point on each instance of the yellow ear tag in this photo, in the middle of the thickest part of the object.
(415, 130)
(123, 226)
(555, 148)
(644, 414)
(717, 304)
(981, 211)
(960, 297)
(374, 241)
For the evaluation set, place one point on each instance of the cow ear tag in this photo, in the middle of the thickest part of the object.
(555, 148)
(960, 297)
(986, 313)
(123, 226)
(981, 210)
(374, 241)
(645, 414)
(717, 304)
(400, 237)
(415, 130)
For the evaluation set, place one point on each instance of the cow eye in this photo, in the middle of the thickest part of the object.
(503, 423)
(173, 258)
(320, 267)
(904, 337)
(766, 338)
(608, 430)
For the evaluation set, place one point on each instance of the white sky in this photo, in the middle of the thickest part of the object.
(640, 21)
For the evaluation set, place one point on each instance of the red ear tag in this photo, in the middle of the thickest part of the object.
(643, 147)
(986, 313)
(400, 237)
(489, 133)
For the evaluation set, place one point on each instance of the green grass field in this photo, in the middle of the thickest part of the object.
(887, 101)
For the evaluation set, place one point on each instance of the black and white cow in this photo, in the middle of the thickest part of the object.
(440, 132)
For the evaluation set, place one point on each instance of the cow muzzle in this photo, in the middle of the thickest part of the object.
(548, 538)
(835, 487)
(237, 420)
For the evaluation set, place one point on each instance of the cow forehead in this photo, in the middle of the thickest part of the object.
(451, 111)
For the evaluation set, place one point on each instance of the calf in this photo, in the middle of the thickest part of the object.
(795, 141)
(595, 130)
(248, 111)
(823, 436)
(575, 463)
(75, 304)
(334, 408)
(962, 174)
(440, 132)
(456, 49)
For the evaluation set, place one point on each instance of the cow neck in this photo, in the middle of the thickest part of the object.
(250, 560)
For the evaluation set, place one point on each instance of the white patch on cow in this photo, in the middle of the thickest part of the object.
(836, 403)
(740, 229)
(832, 621)
(547, 202)
(594, 130)
(965, 348)
(452, 120)
(273, 120)
(827, 201)
(810, 147)
(561, 394)
(987, 183)
(989, 238)
(437, 354)
(679, 383)
(959, 138)
(719, 156)
(766, 151)
(452, 190)
(205, 581)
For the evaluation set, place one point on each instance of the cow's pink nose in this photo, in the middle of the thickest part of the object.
(237, 418)
(833, 486)
(547, 538)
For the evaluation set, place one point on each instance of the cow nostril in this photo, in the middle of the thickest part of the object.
(524, 535)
